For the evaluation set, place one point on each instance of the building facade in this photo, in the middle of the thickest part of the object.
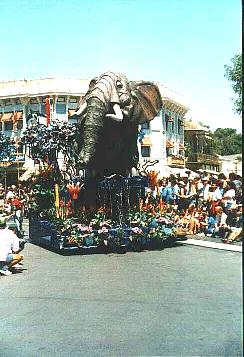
(162, 139)
(231, 163)
(200, 155)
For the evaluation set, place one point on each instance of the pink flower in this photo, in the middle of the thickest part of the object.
(136, 230)
(84, 228)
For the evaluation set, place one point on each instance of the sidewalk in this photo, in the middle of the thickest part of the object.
(210, 242)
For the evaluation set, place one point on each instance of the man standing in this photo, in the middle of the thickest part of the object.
(9, 248)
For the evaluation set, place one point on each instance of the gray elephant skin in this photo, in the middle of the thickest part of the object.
(108, 118)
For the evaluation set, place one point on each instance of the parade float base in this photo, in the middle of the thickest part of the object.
(43, 233)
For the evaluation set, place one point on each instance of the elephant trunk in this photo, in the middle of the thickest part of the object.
(92, 127)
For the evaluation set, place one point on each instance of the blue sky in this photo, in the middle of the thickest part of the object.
(184, 44)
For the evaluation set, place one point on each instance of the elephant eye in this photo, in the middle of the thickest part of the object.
(119, 85)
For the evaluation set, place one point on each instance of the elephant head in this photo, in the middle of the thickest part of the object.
(111, 110)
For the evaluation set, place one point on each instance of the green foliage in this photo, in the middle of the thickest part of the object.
(227, 142)
(234, 74)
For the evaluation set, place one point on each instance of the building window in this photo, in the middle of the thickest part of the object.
(61, 99)
(169, 151)
(145, 151)
(73, 100)
(8, 125)
(61, 108)
(43, 109)
(20, 124)
(1, 126)
(33, 101)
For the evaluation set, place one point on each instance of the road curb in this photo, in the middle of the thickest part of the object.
(213, 245)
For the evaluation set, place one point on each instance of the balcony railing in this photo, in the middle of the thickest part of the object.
(202, 158)
(176, 161)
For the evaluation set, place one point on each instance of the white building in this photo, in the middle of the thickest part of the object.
(231, 163)
(163, 137)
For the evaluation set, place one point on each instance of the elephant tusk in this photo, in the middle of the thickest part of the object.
(118, 116)
(81, 109)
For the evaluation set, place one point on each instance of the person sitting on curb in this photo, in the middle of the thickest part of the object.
(237, 230)
(221, 227)
(9, 248)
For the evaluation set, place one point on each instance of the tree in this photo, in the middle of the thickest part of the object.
(234, 75)
(227, 142)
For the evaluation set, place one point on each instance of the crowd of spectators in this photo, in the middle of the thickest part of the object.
(204, 205)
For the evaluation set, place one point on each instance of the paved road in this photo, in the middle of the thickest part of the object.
(181, 301)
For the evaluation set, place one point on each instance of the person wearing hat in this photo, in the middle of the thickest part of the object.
(9, 248)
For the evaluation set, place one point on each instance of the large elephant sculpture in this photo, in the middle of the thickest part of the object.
(109, 116)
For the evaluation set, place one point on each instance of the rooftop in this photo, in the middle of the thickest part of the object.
(189, 124)
(66, 86)
(42, 86)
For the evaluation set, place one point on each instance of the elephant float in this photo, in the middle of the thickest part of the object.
(108, 117)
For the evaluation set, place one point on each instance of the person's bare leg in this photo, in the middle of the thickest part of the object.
(16, 259)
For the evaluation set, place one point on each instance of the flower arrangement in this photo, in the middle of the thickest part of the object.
(147, 221)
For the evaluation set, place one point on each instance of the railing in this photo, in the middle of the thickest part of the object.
(176, 160)
(202, 158)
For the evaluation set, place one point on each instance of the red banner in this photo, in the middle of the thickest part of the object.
(47, 107)
(15, 121)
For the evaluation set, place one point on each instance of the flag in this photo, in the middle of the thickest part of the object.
(47, 107)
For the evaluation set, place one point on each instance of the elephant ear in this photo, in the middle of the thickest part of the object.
(147, 101)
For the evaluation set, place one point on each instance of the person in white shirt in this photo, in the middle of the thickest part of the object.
(203, 191)
(229, 195)
(221, 227)
(9, 248)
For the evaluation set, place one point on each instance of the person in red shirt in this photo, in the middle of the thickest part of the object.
(17, 206)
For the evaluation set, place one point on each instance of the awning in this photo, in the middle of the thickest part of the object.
(9, 116)
(169, 144)
(181, 146)
(5, 163)
(19, 115)
(146, 141)
(6, 116)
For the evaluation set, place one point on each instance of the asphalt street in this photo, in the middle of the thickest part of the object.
(181, 301)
